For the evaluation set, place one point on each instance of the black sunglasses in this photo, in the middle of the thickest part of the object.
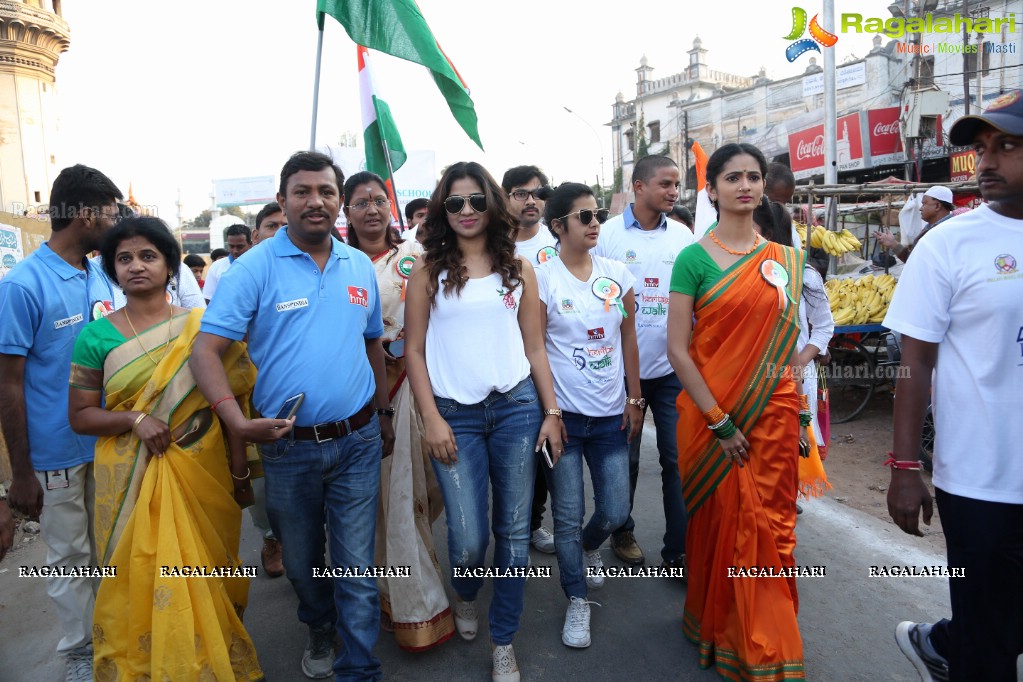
(586, 215)
(455, 203)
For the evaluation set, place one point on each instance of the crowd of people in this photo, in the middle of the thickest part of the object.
(513, 338)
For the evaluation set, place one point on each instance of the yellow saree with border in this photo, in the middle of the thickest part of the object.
(744, 517)
(158, 518)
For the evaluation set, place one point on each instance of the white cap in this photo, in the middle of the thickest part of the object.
(940, 193)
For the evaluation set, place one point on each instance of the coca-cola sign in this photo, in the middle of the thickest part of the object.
(806, 147)
(885, 136)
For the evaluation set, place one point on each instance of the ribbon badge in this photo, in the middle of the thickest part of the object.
(609, 291)
(774, 273)
(404, 269)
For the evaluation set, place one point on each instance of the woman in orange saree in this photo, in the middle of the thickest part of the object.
(739, 430)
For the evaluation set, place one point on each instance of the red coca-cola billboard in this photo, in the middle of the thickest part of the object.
(883, 127)
(806, 147)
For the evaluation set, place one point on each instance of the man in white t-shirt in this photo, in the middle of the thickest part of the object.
(957, 306)
(647, 241)
(239, 240)
(535, 243)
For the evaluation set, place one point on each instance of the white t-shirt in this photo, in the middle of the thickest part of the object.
(474, 343)
(584, 343)
(213, 275)
(539, 248)
(650, 256)
(962, 290)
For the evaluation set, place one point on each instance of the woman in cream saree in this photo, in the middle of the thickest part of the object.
(164, 504)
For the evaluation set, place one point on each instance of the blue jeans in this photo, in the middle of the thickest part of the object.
(336, 482)
(604, 444)
(496, 440)
(660, 396)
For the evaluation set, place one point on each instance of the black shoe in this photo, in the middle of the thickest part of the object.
(676, 566)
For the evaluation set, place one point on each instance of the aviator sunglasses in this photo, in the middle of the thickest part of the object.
(586, 215)
(455, 203)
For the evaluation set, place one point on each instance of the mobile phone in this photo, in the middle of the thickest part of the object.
(397, 348)
(547, 455)
(290, 406)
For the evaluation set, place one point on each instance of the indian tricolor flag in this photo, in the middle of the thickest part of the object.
(378, 128)
(398, 28)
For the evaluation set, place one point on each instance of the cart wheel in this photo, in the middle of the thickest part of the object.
(927, 442)
(851, 379)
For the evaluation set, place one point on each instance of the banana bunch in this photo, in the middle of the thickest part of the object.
(801, 229)
(860, 301)
(834, 243)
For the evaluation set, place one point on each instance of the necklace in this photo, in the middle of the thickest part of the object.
(170, 316)
(756, 243)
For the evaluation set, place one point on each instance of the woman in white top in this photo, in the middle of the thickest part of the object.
(588, 305)
(474, 349)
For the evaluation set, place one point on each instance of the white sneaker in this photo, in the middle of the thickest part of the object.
(593, 567)
(576, 632)
(79, 665)
(542, 540)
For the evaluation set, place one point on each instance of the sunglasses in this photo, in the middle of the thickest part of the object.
(455, 203)
(586, 215)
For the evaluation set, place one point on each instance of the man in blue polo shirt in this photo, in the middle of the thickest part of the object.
(311, 309)
(45, 301)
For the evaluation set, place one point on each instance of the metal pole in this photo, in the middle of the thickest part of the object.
(316, 90)
(600, 147)
(685, 144)
(394, 189)
(966, 70)
(830, 126)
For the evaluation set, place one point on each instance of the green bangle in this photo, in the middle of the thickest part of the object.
(805, 418)
(726, 430)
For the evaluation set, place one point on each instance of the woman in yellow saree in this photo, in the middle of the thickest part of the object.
(739, 430)
(166, 504)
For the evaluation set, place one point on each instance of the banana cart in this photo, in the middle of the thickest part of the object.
(864, 354)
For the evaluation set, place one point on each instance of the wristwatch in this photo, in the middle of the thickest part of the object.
(553, 412)
(638, 402)
(388, 411)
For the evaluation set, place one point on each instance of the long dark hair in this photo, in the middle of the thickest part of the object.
(722, 155)
(441, 245)
(353, 183)
(774, 221)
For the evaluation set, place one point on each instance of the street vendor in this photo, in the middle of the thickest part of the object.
(936, 207)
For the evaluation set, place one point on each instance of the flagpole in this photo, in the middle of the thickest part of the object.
(316, 87)
(390, 173)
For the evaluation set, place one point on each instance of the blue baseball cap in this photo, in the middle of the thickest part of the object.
(1005, 114)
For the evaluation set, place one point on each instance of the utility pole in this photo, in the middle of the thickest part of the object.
(966, 70)
(685, 143)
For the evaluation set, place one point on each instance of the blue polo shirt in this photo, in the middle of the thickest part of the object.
(44, 304)
(306, 329)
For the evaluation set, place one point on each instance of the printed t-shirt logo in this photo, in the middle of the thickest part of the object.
(358, 296)
(68, 321)
(1005, 264)
(284, 306)
(652, 282)
(594, 334)
(630, 256)
(568, 306)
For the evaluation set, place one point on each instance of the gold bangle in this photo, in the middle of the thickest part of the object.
(248, 472)
(138, 420)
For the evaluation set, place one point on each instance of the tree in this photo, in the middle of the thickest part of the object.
(642, 148)
(203, 219)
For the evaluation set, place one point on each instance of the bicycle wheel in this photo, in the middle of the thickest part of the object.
(927, 441)
(851, 379)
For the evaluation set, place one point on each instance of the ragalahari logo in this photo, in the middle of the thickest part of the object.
(799, 27)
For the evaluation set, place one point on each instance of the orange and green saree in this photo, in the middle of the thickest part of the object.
(744, 517)
(160, 517)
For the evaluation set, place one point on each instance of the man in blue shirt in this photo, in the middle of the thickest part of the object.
(311, 309)
(45, 301)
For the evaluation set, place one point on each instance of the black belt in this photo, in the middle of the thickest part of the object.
(331, 430)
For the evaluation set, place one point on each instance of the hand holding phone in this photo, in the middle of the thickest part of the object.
(290, 406)
(547, 455)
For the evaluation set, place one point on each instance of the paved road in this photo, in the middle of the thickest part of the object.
(846, 617)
